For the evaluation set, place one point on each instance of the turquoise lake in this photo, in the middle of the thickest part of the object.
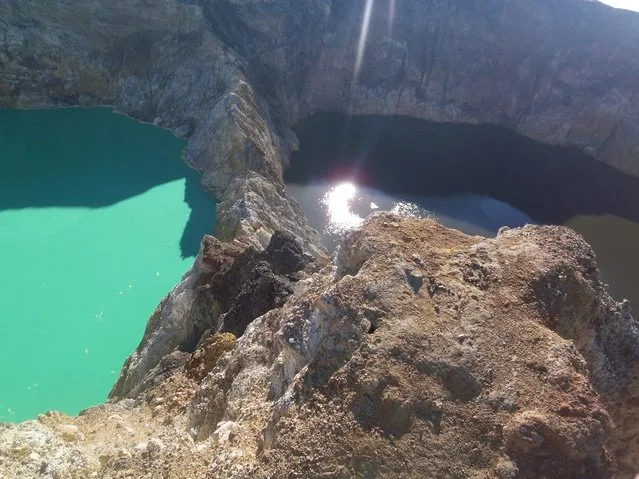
(99, 219)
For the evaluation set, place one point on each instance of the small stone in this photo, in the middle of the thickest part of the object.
(157, 410)
(123, 453)
(155, 445)
(20, 450)
(415, 281)
(225, 432)
(506, 469)
(417, 260)
(141, 447)
(537, 438)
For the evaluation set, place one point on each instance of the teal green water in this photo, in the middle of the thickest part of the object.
(99, 218)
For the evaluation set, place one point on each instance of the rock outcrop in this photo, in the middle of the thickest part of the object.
(421, 352)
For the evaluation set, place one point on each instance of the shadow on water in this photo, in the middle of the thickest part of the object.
(201, 218)
(111, 158)
(406, 156)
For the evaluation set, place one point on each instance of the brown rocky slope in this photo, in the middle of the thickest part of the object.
(422, 352)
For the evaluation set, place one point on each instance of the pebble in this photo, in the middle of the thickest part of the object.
(20, 450)
(141, 447)
(155, 445)
(225, 432)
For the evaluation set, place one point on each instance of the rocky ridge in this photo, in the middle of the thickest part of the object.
(420, 352)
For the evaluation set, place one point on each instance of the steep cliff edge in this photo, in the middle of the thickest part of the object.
(422, 353)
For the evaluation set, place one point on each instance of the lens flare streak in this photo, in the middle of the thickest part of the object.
(391, 16)
(363, 36)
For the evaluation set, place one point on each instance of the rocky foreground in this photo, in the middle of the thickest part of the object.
(419, 352)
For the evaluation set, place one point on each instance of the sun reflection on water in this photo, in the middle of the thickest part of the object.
(346, 207)
(338, 204)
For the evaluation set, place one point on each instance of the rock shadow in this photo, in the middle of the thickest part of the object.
(201, 218)
(92, 158)
(405, 156)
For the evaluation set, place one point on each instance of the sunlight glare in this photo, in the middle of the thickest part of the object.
(363, 35)
(623, 4)
(337, 201)
(391, 16)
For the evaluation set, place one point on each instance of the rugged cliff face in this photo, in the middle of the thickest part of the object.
(422, 351)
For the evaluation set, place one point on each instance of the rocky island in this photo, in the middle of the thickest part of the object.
(416, 351)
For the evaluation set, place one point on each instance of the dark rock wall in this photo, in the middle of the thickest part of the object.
(564, 73)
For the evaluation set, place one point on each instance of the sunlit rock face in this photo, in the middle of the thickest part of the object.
(501, 357)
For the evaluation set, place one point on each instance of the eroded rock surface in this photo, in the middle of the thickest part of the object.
(229, 286)
(422, 352)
